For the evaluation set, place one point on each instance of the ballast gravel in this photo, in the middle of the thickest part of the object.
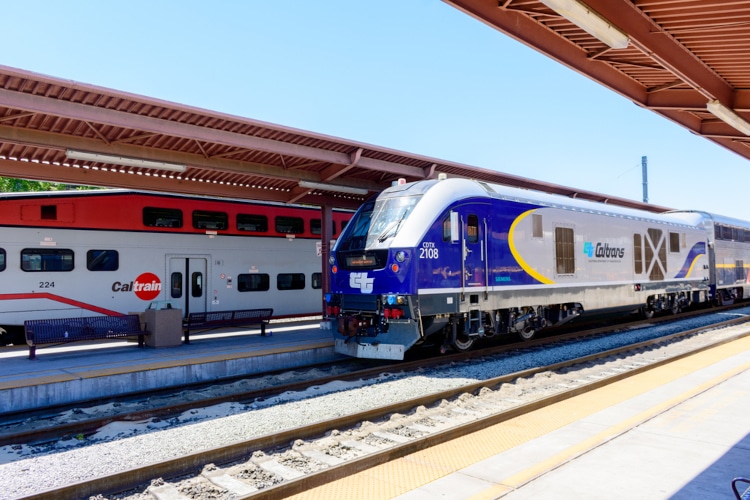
(28, 470)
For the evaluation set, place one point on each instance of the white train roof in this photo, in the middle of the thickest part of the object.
(438, 195)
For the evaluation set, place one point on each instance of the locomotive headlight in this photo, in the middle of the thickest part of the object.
(400, 256)
(394, 300)
(331, 259)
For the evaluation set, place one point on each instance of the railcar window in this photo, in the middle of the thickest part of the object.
(343, 224)
(252, 222)
(175, 284)
(536, 226)
(316, 226)
(49, 212)
(290, 281)
(47, 259)
(564, 250)
(674, 242)
(196, 284)
(162, 217)
(203, 219)
(102, 260)
(2, 259)
(637, 254)
(726, 233)
(472, 229)
(255, 282)
(317, 281)
(739, 271)
(290, 225)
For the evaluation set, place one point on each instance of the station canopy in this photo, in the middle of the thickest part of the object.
(686, 60)
(69, 132)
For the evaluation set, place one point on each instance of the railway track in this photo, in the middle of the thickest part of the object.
(74, 420)
(283, 463)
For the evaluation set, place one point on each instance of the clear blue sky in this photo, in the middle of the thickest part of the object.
(413, 75)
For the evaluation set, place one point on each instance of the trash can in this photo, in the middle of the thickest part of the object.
(164, 321)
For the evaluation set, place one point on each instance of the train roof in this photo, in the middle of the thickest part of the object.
(455, 189)
(123, 192)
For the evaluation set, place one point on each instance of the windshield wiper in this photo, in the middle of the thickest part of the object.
(388, 233)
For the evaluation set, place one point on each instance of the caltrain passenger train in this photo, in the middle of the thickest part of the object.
(456, 260)
(77, 253)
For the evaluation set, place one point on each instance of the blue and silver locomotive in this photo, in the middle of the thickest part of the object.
(454, 260)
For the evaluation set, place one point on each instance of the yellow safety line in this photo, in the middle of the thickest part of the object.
(418, 469)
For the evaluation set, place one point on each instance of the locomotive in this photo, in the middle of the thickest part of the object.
(456, 260)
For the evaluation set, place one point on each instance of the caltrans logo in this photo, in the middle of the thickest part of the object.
(147, 286)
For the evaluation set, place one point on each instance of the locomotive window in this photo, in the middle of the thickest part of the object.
(196, 284)
(447, 228)
(726, 233)
(102, 260)
(536, 226)
(317, 281)
(162, 217)
(637, 254)
(46, 259)
(253, 282)
(290, 281)
(674, 242)
(251, 222)
(290, 225)
(203, 219)
(472, 229)
(2, 259)
(564, 250)
(175, 284)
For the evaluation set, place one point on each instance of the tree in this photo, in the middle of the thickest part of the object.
(11, 185)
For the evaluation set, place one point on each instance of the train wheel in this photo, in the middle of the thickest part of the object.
(463, 343)
(527, 334)
(675, 307)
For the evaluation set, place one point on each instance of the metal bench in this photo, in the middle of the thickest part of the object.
(64, 330)
(219, 319)
(741, 488)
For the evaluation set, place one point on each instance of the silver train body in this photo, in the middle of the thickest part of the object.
(457, 260)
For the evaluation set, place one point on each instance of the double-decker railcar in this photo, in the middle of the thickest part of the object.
(75, 253)
(457, 260)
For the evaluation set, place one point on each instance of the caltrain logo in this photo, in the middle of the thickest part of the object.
(361, 281)
(147, 286)
(603, 251)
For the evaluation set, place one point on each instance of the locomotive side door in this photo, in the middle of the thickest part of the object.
(187, 282)
(474, 266)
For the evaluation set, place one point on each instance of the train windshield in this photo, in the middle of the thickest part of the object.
(377, 221)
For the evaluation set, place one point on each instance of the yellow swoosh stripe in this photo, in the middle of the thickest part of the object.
(531, 271)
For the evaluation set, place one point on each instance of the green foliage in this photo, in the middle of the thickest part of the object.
(10, 185)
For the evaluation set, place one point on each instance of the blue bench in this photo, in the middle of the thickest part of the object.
(741, 488)
(222, 319)
(61, 331)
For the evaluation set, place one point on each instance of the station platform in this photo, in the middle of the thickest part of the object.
(680, 431)
(85, 371)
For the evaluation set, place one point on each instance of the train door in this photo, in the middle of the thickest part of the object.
(187, 283)
(474, 265)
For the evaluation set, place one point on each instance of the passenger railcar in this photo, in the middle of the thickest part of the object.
(74, 253)
(457, 259)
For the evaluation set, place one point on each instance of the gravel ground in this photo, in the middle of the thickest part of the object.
(118, 446)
